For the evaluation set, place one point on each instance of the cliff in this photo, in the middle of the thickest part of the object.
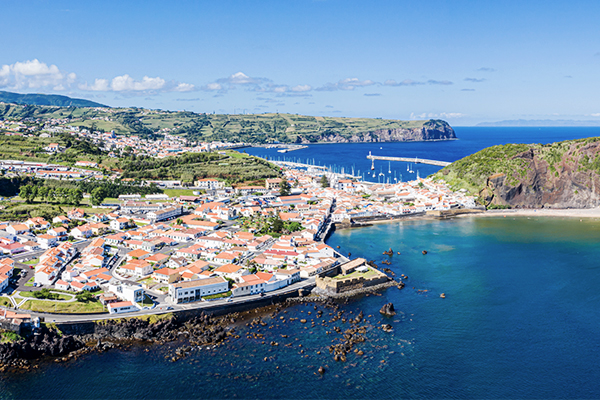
(557, 175)
(431, 130)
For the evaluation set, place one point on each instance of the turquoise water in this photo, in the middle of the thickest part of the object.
(520, 320)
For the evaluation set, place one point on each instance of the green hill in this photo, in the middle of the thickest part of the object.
(254, 128)
(37, 99)
(561, 175)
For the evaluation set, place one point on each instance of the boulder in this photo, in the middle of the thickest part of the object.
(388, 310)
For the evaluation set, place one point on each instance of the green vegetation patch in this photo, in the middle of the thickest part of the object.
(9, 336)
(74, 307)
(217, 296)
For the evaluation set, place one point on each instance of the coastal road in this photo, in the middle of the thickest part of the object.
(162, 309)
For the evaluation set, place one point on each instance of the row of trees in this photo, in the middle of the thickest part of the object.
(50, 194)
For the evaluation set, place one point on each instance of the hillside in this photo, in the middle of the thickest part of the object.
(37, 99)
(556, 175)
(253, 128)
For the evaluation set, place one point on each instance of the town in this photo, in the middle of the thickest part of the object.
(221, 243)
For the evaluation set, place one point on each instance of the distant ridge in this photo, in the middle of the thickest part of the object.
(540, 123)
(36, 99)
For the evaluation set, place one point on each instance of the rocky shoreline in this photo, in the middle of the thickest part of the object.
(61, 343)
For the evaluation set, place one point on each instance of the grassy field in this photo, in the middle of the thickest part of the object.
(369, 274)
(74, 307)
(251, 128)
(5, 301)
(60, 296)
(179, 192)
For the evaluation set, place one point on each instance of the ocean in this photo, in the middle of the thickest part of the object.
(520, 317)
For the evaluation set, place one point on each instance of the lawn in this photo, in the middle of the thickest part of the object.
(30, 281)
(32, 262)
(75, 307)
(369, 274)
(179, 192)
(60, 296)
(5, 301)
(217, 296)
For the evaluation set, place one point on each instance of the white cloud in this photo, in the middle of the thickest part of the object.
(301, 88)
(33, 74)
(212, 87)
(410, 82)
(127, 84)
(406, 82)
(443, 115)
(345, 84)
(595, 115)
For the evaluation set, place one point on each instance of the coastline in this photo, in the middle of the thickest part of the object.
(540, 212)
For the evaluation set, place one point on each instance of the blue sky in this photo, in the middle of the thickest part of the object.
(462, 61)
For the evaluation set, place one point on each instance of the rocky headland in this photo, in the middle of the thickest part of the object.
(557, 175)
(431, 130)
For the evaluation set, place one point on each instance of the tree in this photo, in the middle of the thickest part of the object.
(277, 225)
(26, 193)
(42, 192)
(84, 296)
(75, 196)
(324, 182)
(284, 188)
(98, 195)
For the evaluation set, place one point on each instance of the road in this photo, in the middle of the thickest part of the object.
(201, 305)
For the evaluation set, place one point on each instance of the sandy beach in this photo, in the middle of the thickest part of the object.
(542, 212)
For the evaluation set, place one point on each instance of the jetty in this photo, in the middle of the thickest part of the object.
(415, 160)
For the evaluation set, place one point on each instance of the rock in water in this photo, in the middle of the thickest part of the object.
(388, 310)
(321, 370)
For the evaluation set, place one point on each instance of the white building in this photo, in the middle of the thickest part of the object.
(189, 291)
(209, 184)
(126, 292)
(121, 307)
(167, 213)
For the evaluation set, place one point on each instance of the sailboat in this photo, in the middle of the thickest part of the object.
(417, 174)
(411, 170)
(407, 168)
(389, 168)
(372, 164)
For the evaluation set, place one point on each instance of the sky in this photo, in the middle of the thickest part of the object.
(462, 61)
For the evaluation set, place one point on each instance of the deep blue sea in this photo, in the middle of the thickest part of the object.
(353, 156)
(521, 317)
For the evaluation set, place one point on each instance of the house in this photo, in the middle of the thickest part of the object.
(164, 214)
(61, 219)
(82, 232)
(121, 307)
(99, 218)
(76, 213)
(137, 254)
(137, 268)
(59, 233)
(165, 275)
(7, 267)
(177, 262)
(47, 241)
(61, 285)
(126, 292)
(37, 223)
(119, 223)
(231, 271)
(17, 229)
(87, 164)
(157, 258)
(53, 148)
(12, 248)
(272, 184)
(209, 184)
(190, 291)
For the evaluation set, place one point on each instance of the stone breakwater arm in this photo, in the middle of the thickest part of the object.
(411, 160)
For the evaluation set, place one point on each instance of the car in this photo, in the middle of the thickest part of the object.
(229, 300)
(262, 294)
(169, 308)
